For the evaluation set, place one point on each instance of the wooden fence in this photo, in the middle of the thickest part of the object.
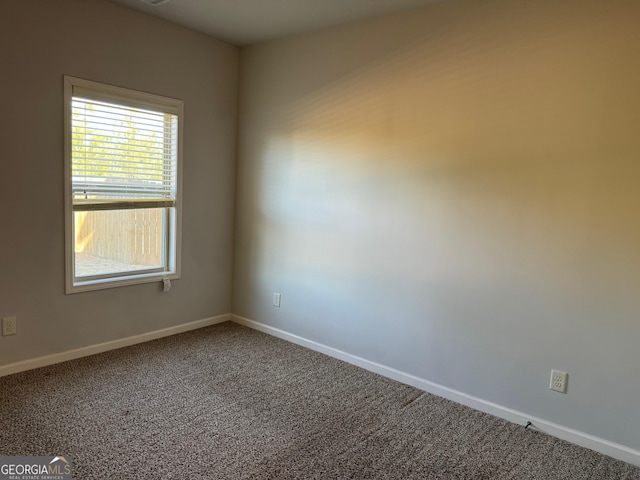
(133, 237)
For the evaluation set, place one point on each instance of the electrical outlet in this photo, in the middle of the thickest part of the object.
(558, 381)
(9, 326)
(276, 299)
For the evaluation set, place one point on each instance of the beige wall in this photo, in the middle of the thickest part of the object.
(42, 40)
(454, 193)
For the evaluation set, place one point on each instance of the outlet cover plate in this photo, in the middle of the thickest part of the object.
(9, 326)
(558, 381)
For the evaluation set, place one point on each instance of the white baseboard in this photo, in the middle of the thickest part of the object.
(106, 346)
(601, 445)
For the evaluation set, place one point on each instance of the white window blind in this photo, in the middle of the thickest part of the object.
(123, 153)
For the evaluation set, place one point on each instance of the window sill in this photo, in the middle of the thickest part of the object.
(104, 283)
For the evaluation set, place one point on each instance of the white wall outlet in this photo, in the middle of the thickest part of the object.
(276, 299)
(558, 381)
(9, 326)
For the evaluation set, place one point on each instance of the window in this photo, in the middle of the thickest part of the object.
(122, 170)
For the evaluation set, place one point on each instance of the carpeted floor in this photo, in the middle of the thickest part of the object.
(227, 402)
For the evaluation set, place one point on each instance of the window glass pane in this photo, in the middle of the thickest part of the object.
(115, 241)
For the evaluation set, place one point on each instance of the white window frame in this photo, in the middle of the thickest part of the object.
(128, 97)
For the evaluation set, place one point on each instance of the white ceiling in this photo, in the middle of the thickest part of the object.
(244, 22)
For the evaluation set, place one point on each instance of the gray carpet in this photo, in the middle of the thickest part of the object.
(227, 402)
